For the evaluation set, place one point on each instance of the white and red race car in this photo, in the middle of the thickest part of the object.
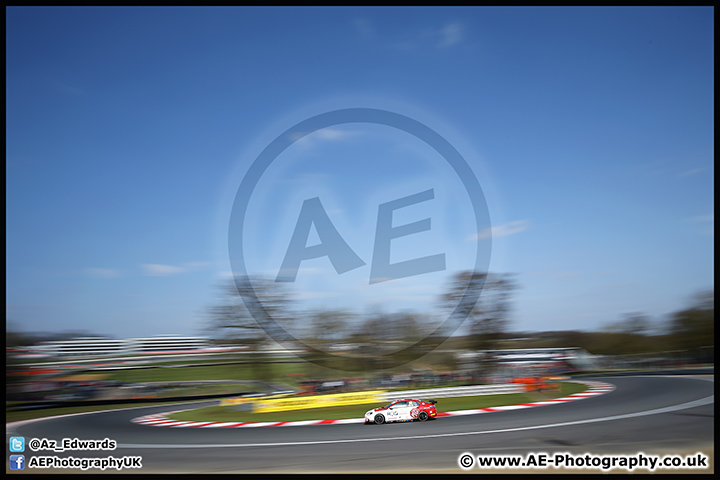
(405, 410)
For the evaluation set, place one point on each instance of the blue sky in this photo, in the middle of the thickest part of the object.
(129, 131)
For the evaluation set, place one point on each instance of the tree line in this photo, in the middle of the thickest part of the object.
(481, 301)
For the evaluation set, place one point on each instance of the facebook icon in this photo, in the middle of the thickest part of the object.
(17, 462)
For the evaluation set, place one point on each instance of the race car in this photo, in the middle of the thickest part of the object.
(405, 410)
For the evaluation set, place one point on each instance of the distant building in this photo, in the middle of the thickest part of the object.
(100, 347)
(81, 347)
(575, 358)
(168, 343)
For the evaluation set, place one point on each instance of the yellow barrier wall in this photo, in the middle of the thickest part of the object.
(316, 401)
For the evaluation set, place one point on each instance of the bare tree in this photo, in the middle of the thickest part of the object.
(636, 324)
(328, 326)
(409, 326)
(484, 301)
(252, 312)
(694, 327)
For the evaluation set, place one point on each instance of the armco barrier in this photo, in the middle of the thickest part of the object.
(596, 388)
(250, 399)
(288, 402)
(457, 391)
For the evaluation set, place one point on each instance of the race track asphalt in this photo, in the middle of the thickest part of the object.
(653, 414)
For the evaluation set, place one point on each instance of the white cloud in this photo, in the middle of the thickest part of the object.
(102, 272)
(510, 228)
(198, 265)
(324, 134)
(450, 34)
(412, 39)
(566, 275)
(333, 134)
(364, 27)
(691, 172)
(157, 270)
(706, 223)
(709, 218)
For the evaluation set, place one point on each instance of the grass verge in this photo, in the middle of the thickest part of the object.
(227, 414)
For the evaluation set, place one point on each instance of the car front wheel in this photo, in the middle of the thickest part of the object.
(379, 419)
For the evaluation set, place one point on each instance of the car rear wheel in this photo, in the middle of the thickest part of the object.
(379, 419)
(422, 416)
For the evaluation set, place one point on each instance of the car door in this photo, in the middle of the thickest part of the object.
(401, 411)
(392, 414)
(414, 409)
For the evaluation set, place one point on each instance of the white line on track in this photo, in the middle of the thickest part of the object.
(672, 408)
